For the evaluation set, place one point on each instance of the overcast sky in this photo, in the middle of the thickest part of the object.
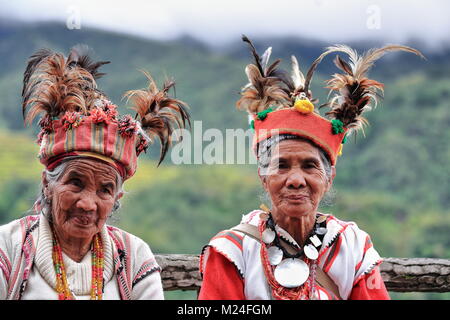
(216, 21)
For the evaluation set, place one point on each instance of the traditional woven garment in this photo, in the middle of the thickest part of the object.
(347, 256)
(132, 262)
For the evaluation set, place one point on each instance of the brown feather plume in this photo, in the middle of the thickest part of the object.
(80, 57)
(268, 85)
(158, 113)
(33, 62)
(54, 88)
(355, 92)
(53, 84)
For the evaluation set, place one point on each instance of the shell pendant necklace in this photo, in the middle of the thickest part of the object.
(290, 276)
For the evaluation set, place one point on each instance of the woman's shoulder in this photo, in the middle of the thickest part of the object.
(12, 233)
(25, 220)
(18, 226)
(233, 236)
(343, 227)
(123, 236)
(347, 234)
(127, 241)
(252, 217)
(356, 247)
(233, 243)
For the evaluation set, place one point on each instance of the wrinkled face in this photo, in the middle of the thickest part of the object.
(296, 179)
(82, 198)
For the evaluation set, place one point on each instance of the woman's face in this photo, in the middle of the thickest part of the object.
(296, 179)
(82, 198)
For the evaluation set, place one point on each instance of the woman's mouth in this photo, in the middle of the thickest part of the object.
(297, 197)
(82, 219)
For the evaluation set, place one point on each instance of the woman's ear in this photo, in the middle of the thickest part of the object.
(333, 174)
(263, 178)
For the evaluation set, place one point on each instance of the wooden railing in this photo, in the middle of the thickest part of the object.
(180, 272)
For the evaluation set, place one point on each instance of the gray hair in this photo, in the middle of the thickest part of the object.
(265, 149)
(54, 176)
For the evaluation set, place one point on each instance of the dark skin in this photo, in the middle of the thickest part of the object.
(296, 182)
(81, 201)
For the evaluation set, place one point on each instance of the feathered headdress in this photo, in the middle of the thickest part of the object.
(78, 119)
(279, 104)
(271, 88)
(54, 85)
(158, 113)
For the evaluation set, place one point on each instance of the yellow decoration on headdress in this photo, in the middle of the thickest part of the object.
(304, 106)
(264, 208)
(340, 150)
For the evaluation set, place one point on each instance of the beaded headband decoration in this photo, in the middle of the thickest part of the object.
(79, 120)
(280, 102)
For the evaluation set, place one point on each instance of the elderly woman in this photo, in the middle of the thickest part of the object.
(292, 251)
(66, 250)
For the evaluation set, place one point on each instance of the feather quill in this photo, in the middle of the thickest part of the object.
(297, 76)
(265, 58)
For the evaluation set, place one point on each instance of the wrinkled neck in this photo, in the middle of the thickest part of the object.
(298, 227)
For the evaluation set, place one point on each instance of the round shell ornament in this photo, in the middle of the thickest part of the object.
(311, 252)
(268, 235)
(275, 255)
(291, 273)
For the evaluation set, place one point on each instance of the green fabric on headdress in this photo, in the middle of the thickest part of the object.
(263, 114)
(337, 126)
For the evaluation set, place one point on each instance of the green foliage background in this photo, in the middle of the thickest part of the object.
(394, 183)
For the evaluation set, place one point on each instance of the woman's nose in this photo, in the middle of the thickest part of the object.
(87, 202)
(296, 179)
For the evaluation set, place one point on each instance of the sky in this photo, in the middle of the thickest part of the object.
(217, 21)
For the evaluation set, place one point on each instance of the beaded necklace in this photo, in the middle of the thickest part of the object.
(62, 285)
(305, 290)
